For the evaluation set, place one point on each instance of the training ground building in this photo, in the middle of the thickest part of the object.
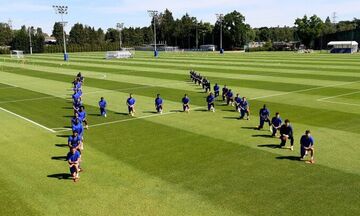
(343, 46)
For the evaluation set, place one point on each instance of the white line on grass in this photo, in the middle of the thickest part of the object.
(14, 86)
(304, 90)
(336, 96)
(28, 120)
(342, 103)
(29, 99)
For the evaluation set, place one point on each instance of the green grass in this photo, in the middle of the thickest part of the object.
(178, 164)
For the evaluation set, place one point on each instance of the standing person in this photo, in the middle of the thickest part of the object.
(159, 104)
(244, 109)
(208, 87)
(80, 77)
(210, 99)
(186, 102)
(237, 101)
(102, 106)
(264, 114)
(216, 90)
(286, 133)
(224, 92)
(307, 145)
(130, 102)
(276, 122)
(78, 127)
(74, 141)
(73, 158)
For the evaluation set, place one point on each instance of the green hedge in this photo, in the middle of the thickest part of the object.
(81, 48)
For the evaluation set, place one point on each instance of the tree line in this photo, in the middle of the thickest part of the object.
(186, 32)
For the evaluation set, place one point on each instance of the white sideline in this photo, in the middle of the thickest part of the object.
(304, 90)
(28, 120)
(342, 103)
(327, 98)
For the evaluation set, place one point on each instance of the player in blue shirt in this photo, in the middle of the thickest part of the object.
(74, 118)
(73, 158)
(286, 133)
(102, 106)
(76, 105)
(216, 90)
(74, 140)
(210, 99)
(82, 116)
(230, 98)
(130, 102)
(264, 115)
(159, 104)
(78, 127)
(80, 77)
(276, 122)
(186, 101)
(307, 145)
(237, 101)
(244, 109)
(224, 92)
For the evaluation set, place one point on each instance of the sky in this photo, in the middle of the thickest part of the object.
(106, 13)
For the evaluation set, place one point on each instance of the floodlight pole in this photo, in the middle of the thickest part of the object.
(62, 10)
(153, 14)
(220, 18)
(120, 27)
(30, 33)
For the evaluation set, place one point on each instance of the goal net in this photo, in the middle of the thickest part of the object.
(17, 54)
(124, 53)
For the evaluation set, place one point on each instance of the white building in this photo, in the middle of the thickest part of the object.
(343, 46)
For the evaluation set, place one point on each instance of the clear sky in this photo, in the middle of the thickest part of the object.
(106, 13)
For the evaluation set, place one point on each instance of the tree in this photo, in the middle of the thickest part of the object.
(21, 39)
(77, 35)
(308, 29)
(6, 34)
(58, 32)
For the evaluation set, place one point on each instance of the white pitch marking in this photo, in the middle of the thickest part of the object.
(304, 90)
(336, 96)
(28, 120)
(342, 103)
(14, 86)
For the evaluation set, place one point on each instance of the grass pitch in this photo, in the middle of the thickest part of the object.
(180, 164)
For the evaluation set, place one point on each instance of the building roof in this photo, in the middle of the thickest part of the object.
(333, 43)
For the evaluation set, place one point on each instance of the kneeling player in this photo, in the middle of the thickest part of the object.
(264, 114)
(82, 116)
(74, 141)
(276, 122)
(211, 102)
(216, 90)
(130, 102)
(230, 98)
(73, 158)
(244, 109)
(186, 101)
(307, 145)
(286, 133)
(102, 106)
(237, 102)
(224, 92)
(159, 104)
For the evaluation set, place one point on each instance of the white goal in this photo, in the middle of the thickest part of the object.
(119, 54)
(17, 54)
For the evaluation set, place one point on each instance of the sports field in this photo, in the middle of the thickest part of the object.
(201, 163)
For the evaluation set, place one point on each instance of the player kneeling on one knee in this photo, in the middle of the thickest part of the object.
(276, 122)
(244, 109)
(186, 102)
(286, 133)
(210, 99)
(102, 106)
(159, 104)
(73, 158)
(264, 114)
(307, 145)
(130, 102)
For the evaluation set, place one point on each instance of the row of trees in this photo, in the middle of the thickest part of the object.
(185, 32)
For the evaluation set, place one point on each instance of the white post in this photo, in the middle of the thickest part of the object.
(30, 33)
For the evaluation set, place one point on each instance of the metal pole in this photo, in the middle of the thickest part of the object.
(154, 34)
(221, 42)
(153, 14)
(197, 37)
(64, 34)
(220, 18)
(30, 33)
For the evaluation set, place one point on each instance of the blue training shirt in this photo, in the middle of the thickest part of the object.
(210, 99)
(307, 141)
(130, 101)
(216, 88)
(185, 100)
(73, 157)
(158, 101)
(276, 121)
(74, 141)
(264, 112)
(102, 103)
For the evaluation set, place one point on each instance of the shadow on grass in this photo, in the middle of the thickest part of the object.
(61, 145)
(152, 112)
(202, 110)
(93, 114)
(263, 135)
(232, 117)
(63, 135)
(274, 146)
(60, 176)
(61, 158)
(292, 158)
(249, 128)
(120, 113)
(68, 116)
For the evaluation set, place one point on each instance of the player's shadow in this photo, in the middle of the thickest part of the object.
(292, 158)
(201, 110)
(232, 117)
(68, 116)
(62, 135)
(122, 113)
(151, 112)
(273, 146)
(60, 158)
(61, 145)
(60, 176)
(263, 135)
(93, 114)
(249, 128)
